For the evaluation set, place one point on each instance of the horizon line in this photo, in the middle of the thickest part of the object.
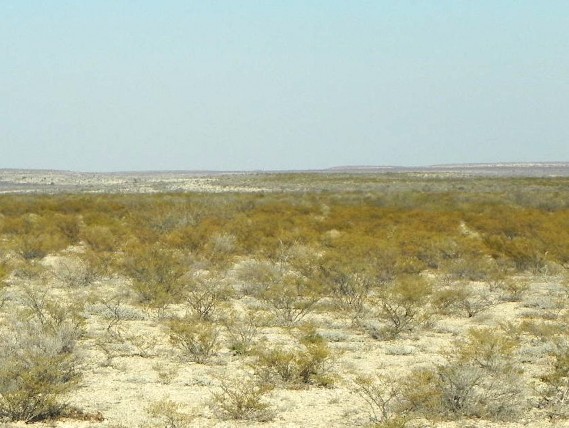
(337, 168)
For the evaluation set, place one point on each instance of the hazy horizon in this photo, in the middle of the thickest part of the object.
(488, 166)
(281, 85)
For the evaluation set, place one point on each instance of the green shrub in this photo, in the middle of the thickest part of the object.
(243, 399)
(401, 306)
(479, 381)
(243, 330)
(204, 296)
(381, 395)
(199, 340)
(38, 367)
(462, 299)
(167, 414)
(296, 367)
(157, 273)
(556, 393)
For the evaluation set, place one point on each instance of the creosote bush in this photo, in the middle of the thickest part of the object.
(5, 269)
(76, 272)
(38, 367)
(243, 399)
(291, 299)
(37, 245)
(350, 292)
(291, 290)
(461, 299)
(381, 395)
(157, 273)
(65, 321)
(166, 413)
(205, 295)
(296, 367)
(256, 276)
(555, 397)
(480, 380)
(243, 330)
(401, 306)
(198, 339)
(513, 288)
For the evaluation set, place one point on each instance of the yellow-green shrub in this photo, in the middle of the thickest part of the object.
(156, 273)
(197, 339)
(38, 366)
(308, 364)
(243, 399)
(401, 306)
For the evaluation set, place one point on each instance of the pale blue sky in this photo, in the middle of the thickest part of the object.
(109, 85)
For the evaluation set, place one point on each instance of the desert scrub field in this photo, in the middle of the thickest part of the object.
(343, 300)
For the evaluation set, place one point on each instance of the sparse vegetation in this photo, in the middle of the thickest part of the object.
(117, 286)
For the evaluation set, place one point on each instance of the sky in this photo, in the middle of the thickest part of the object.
(116, 85)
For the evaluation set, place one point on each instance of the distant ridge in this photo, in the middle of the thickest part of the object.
(503, 165)
(521, 169)
(56, 181)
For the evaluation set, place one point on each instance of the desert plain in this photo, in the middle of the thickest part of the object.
(364, 297)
